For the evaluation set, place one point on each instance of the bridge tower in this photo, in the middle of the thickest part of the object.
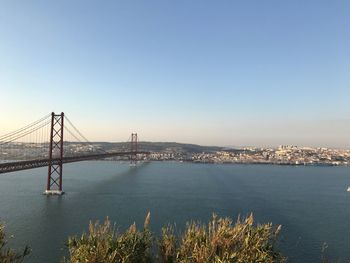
(134, 149)
(55, 168)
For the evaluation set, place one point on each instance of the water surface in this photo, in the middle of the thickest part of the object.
(310, 202)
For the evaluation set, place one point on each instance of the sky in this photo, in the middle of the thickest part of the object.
(228, 73)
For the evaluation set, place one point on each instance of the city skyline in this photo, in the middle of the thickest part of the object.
(229, 74)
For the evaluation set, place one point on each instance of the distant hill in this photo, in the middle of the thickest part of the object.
(179, 147)
(159, 147)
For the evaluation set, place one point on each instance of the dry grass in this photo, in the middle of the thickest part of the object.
(220, 240)
(103, 245)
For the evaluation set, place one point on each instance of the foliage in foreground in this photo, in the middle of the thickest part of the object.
(218, 241)
(221, 241)
(8, 255)
(103, 244)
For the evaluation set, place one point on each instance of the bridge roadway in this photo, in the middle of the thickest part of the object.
(31, 164)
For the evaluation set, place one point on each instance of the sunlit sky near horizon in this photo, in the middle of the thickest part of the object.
(230, 73)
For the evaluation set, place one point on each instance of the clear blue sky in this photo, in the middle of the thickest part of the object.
(207, 72)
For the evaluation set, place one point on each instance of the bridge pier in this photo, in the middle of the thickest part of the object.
(55, 167)
(53, 192)
(55, 160)
(133, 149)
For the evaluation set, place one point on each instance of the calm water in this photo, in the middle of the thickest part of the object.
(310, 202)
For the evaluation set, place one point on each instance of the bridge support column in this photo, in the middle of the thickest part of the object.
(55, 168)
(134, 149)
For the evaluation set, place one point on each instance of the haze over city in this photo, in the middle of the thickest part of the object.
(234, 73)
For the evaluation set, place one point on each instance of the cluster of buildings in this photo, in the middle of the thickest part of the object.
(283, 155)
(28, 151)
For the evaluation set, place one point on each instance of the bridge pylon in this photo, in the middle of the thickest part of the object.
(133, 149)
(55, 167)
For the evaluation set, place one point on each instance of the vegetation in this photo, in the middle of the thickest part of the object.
(218, 241)
(103, 245)
(8, 255)
(221, 241)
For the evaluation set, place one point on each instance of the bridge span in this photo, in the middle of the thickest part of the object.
(8, 167)
(56, 154)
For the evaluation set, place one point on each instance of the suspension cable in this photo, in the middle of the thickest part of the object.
(82, 136)
(21, 135)
(23, 128)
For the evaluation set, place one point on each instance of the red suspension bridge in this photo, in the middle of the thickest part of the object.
(41, 144)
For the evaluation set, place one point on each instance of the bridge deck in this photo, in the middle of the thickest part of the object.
(31, 164)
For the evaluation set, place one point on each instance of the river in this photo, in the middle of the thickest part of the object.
(311, 203)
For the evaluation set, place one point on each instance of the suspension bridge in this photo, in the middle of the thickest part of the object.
(52, 141)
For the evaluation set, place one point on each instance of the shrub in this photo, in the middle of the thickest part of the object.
(104, 245)
(219, 241)
(8, 255)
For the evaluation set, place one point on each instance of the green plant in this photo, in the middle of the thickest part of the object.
(8, 255)
(104, 245)
(221, 241)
